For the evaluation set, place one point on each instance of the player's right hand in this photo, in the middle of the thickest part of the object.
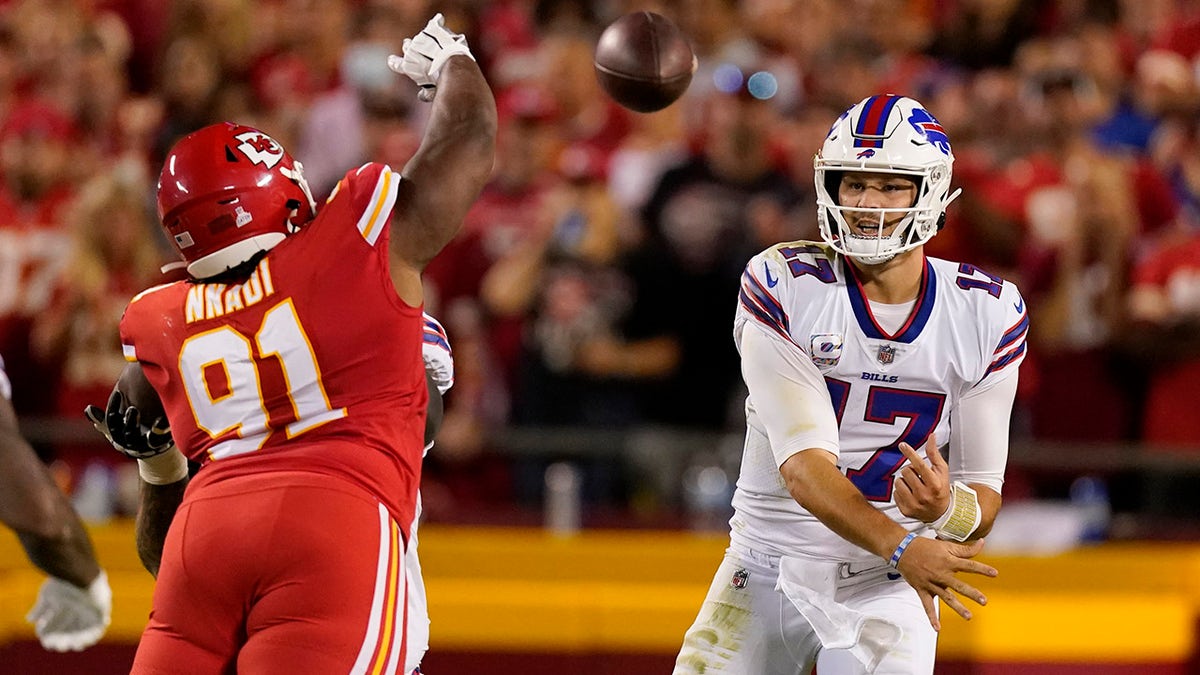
(930, 566)
(121, 424)
(424, 54)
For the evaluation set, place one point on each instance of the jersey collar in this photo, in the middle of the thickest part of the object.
(916, 319)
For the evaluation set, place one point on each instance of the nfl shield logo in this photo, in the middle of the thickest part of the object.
(887, 354)
(740, 578)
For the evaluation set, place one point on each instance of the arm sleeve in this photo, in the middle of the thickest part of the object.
(980, 424)
(787, 394)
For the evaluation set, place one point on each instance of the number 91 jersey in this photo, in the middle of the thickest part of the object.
(965, 331)
(312, 363)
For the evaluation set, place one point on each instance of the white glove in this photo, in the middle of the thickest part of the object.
(439, 358)
(424, 54)
(68, 618)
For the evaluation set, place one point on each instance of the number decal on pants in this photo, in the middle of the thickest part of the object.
(220, 370)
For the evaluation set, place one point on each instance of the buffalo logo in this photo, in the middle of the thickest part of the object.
(865, 154)
(260, 148)
(826, 349)
(930, 128)
(740, 579)
(887, 354)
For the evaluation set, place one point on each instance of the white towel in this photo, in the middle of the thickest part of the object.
(811, 585)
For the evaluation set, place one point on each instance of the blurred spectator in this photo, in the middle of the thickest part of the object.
(114, 253)
(704, 219)
(39, 169)
(1164, 308)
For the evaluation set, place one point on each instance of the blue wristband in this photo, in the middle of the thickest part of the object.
(901, 548)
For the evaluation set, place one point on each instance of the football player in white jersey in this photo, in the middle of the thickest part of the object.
(439, 373)
(858, 352)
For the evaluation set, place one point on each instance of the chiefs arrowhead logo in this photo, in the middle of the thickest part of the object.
(260, 148)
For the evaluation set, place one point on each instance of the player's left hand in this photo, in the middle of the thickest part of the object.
(424, 54)
(68, 618)
(922, 489)
(121, 424)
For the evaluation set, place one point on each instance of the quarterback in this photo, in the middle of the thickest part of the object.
(289, 367)
(857, 352)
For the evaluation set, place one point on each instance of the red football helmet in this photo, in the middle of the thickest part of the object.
(227, 192)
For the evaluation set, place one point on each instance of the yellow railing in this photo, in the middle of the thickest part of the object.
(634, 591)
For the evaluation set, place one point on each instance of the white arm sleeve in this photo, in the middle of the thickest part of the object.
(979, 438)
(788, 396)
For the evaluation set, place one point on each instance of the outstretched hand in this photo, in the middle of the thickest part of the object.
(922, 488)
(424, 54)
(121, 424)
(930, 566)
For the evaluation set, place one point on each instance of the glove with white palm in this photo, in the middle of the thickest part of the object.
(69, 618)
(424, 54)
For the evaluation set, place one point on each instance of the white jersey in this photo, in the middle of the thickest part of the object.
(439, 361)
(5, 385)
(965, 333)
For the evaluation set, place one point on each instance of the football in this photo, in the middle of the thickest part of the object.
(643, 61)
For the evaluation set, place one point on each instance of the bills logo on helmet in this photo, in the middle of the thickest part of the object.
(930, 128)
(260, 148)
(865, 154)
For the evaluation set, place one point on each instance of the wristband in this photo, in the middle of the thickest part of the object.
(895, 561)
(962, 516)
(165, 468)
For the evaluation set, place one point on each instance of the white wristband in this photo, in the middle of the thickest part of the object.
(164, 469)
(962, 517)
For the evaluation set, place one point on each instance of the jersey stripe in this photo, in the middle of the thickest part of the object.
(765, 300)
(1017, 332)
(1005, 360)
(381, 623)
(382, 200)
(761, 314)
(434, 334)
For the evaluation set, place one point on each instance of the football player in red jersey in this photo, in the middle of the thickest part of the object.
(289, 367)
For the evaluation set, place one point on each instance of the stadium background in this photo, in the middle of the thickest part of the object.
(577, 496)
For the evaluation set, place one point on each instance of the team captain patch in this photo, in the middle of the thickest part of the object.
(826, 350)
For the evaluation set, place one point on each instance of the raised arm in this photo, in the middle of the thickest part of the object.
(455, 157)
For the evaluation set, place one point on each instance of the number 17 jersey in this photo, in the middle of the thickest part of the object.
(311, 363)
(965, 332)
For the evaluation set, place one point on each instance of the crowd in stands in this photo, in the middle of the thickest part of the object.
(594, 282)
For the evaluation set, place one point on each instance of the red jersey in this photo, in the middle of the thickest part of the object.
(313, 363)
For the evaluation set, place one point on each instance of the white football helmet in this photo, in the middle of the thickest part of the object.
(885, 134)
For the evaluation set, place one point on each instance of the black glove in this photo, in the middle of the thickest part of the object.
(121, 424)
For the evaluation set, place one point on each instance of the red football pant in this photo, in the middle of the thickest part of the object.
(285, 572)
